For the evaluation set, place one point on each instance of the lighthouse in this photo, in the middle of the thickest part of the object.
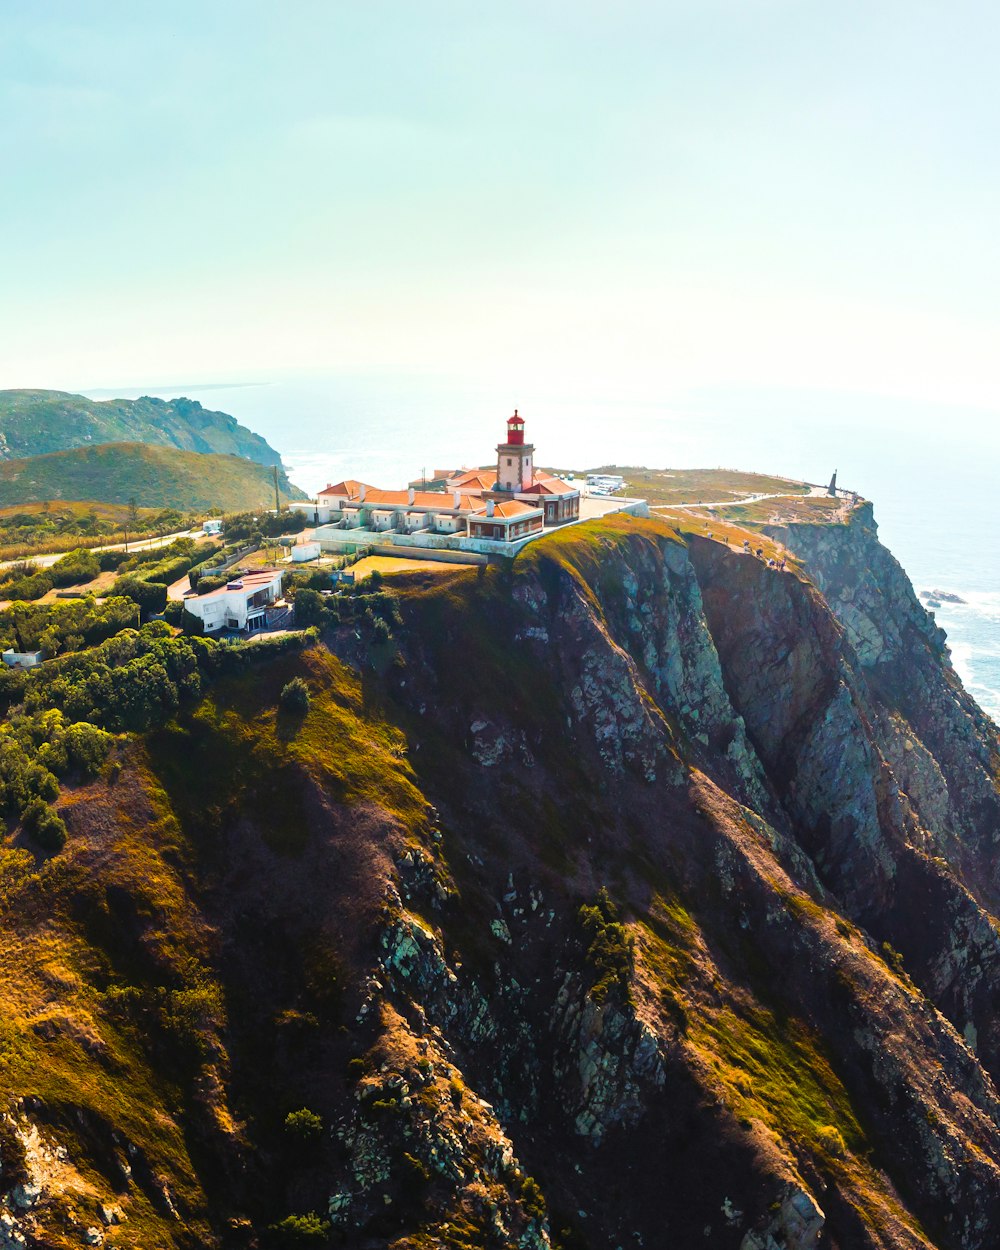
(514, 459)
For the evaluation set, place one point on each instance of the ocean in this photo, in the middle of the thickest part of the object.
(930, 469)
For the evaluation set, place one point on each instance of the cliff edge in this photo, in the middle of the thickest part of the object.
(637, 893)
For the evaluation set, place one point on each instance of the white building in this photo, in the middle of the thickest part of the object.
(250, 602)
(212, 526)
(21, 659)
(482, 510)
(302, 552)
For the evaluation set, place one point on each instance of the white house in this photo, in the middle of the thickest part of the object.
(212, 526)
(250, 602)
(303, 552)
(21, 659)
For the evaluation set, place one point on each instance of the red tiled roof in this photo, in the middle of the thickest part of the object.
(349, 488)
(507, 510)
(440, 501)
(476, 479)
(546, 484)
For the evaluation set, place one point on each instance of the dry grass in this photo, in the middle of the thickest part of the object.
(717, 527)
(696, 485)
(396, 564)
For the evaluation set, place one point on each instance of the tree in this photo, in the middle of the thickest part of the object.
(45, 825)
(192, 625)
(304, 1125)
(295, 697)
(310, 607)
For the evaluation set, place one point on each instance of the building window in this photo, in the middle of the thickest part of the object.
(509, 462)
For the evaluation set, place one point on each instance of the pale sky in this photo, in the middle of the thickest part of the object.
(634, 196)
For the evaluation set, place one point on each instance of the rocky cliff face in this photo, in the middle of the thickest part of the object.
(636, 895)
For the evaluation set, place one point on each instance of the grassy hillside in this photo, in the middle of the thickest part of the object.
(35, 422)
(673, 486)
(156, 477)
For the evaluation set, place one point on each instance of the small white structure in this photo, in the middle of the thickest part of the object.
(21, 659)
(213, 526)
(249, 602)
(302, 552)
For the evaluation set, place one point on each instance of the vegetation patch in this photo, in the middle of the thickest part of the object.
(610, 949)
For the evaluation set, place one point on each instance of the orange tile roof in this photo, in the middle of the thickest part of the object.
(479, 479)
(546, 484)
(507, 510)
(349, 488)
(440, 501)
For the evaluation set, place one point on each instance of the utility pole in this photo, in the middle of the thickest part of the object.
(277, 499)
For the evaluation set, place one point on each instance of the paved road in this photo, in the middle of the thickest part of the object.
(142, 544)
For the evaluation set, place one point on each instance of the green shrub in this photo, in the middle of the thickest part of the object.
(832, 1140)
(75, 567)
(310, 607)
(151, 597)
(192, 625)
(69, 625)
(893, 958)
(87, 747)
(301, 1230)
(173, 612)
(532, 1199)
(295, 697)
(111, 561)
(304, 1125)
(610, 952)
(45, 825)
(27, 588)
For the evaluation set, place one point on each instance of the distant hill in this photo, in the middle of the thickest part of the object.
(35, 422)
(155, 476)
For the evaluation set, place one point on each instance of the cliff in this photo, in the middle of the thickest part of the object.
(635, 894)
(33, 422)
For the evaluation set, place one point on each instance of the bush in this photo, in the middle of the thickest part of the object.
(304, 1125)
(832, 1140)
(173, 612)
(207, 584)
(192, 625)
(310, 607)
(87, 747)
(151, 597)
(27, 588)
(301, 1230)
(610, 952)
(65, 626)
(75, 567)
(295, 697)
(45, 825)
(111, 561)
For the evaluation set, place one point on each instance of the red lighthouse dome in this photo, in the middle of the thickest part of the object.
(515, 430)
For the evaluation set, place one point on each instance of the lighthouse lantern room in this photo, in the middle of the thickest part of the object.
(514, 458)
